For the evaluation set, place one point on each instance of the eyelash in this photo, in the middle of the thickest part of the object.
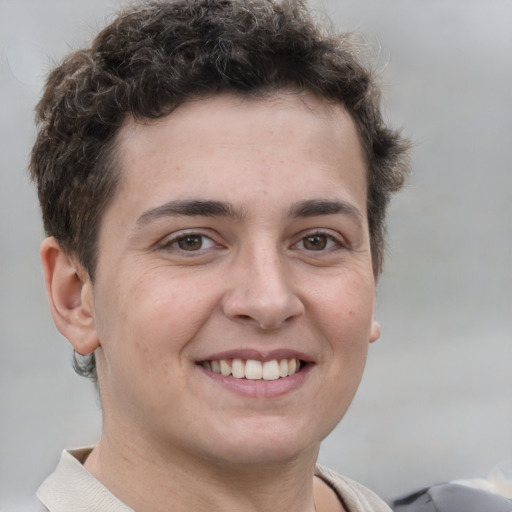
(332, 242)
(172, 243)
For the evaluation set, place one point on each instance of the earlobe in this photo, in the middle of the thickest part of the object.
(374, 331)
(69, 290)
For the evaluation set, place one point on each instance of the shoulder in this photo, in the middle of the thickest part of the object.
(355, 497)
(71, 488)
(452, 496)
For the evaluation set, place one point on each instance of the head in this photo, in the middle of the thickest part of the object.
(157, 56)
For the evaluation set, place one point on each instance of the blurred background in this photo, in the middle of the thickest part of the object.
(436, 401)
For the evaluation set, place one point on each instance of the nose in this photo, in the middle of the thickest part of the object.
(262, 293)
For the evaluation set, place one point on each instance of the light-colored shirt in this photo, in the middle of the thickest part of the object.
(71, 488)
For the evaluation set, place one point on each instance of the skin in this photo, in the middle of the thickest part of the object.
(279, 266)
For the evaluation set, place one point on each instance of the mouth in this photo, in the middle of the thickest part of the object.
(253, 369)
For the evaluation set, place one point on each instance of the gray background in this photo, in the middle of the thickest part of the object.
(435, 403)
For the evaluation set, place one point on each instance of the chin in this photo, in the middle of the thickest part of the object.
(266, 454)
(267, 443)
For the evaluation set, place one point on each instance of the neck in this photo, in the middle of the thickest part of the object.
(179, 482)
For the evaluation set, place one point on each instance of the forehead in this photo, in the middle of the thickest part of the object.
(214, 145)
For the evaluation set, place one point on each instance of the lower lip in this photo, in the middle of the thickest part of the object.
(260, 388)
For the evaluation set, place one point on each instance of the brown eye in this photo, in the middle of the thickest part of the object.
(190, 243)
(194, 243)
(315, 242)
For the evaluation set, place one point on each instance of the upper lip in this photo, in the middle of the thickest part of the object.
(258, 355)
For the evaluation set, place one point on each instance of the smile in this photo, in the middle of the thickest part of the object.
(252, 369)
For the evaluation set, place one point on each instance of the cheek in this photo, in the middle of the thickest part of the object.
(150, 319)
(345, 307)
(344, 317)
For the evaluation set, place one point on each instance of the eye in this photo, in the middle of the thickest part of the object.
(191, 242)
(318, 242)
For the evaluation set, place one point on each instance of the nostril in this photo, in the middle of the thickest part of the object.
(252, 303)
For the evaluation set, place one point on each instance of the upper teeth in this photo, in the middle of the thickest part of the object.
(252, 369)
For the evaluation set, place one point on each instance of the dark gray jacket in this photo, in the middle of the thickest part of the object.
(453, 498)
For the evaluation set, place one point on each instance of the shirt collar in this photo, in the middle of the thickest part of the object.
(72, 487)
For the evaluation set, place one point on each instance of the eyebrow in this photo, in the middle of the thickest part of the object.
(316, 207)
(190, 208)
(207, 208)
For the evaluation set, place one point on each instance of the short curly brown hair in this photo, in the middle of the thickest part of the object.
(157, 55)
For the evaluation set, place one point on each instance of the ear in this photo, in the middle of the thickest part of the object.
(69, 290)
(374, 330)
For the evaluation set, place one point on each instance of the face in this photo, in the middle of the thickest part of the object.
(234, 296)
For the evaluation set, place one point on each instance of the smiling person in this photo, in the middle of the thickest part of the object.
(214, 177)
